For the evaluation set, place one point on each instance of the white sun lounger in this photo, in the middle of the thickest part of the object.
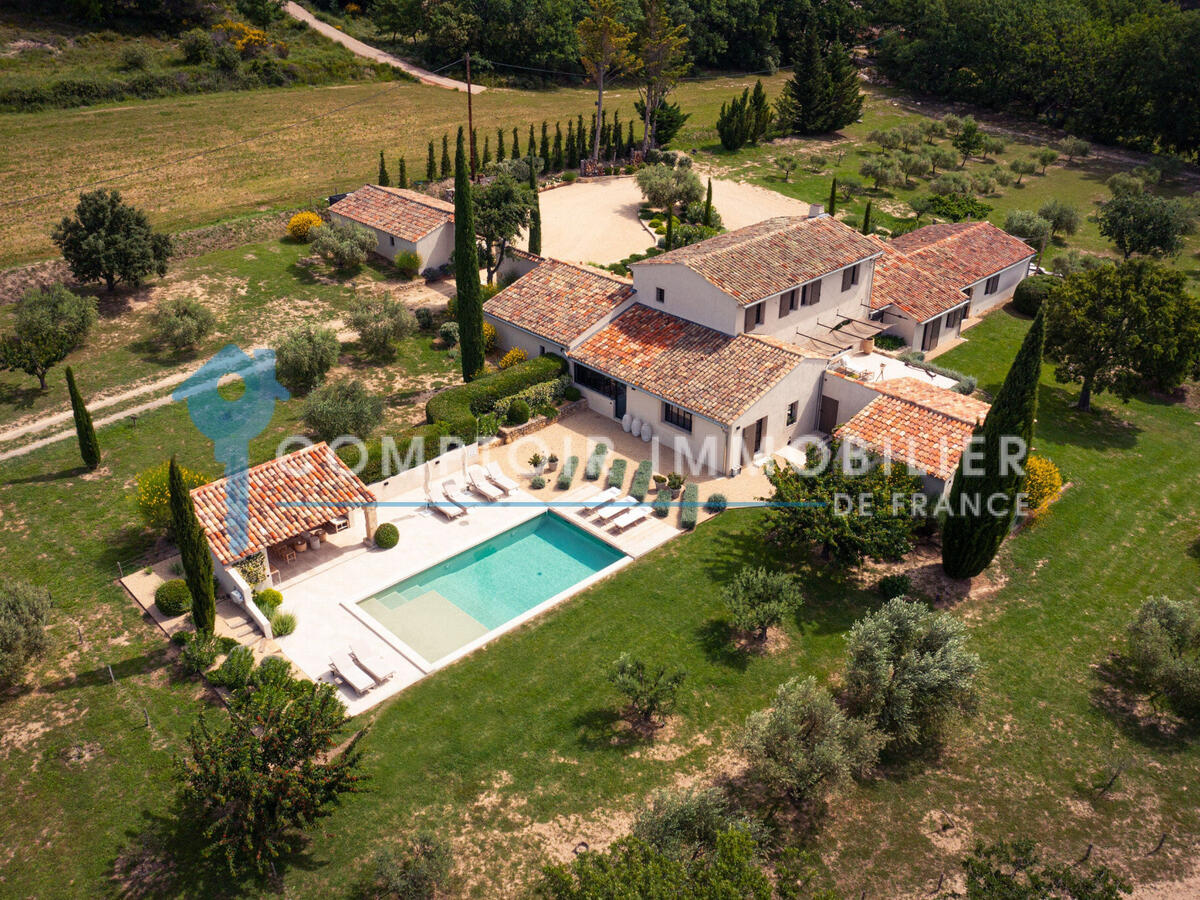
(499, 479)
(619, 506)
(630, 518)
(452, 492)
(376, 666)
(346, 670)
(600, 499)
(447, 510)
(477, 480)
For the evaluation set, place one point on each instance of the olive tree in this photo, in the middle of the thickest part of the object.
(342, 408)
(24, 613)
(343, 246)
(380, 322)
(182, 322)
(47, 325)
(1164, 652)
(303, 357)
(650, 692)
(758, 598)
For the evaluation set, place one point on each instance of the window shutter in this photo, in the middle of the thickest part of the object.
(749, 319)
(814, 293)
(783, 304)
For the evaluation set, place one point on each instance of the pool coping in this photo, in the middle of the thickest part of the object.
(426, 666)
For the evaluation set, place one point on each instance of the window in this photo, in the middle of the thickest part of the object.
(810, 294)
(680, 418)
(992, 285)
(849, 277)
(392, 238)
(954, 317)
(660, 295)
(541, 349)
(595, 381)
(793, 411)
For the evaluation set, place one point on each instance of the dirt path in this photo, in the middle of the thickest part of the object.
(366, 51)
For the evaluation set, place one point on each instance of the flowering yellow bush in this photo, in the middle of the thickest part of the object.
(1042, 481)
(154, 495)
(512, 357)
(489, 337)
(353, 9)
(301, 225)
(246, 39)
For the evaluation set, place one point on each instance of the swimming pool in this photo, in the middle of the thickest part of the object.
(492, 585)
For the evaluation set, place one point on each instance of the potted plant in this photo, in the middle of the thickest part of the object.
(660, 482)
(675, 483)
(537, 462)
(551, 463)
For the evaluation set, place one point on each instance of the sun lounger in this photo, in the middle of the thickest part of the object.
(616, 508)
(447, 510)
(630, 518)
(600, 499)
(477, 481)
(346, 670)
(499, 479)
(375, 665)
(452, 492)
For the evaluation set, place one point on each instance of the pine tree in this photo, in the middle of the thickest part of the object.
(431, 165)
(466, 266)
(193, 551)
(535, 216)
(516, 151)
(833, 197)
(845, 95)
(544, 147)
(500, 157)
(487, 151)
(707, 205)
(866, 226)
(445, 172)
(89, 447)
(384, 180)
(972, 535)
(759, 112)
(558, 147)
(804, 106)
(401, 174)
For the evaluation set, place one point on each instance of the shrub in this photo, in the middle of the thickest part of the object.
(408, 264)
(387, 536)
(1032, 292)
(537, 482)
(424, 316)
(662, 504)
(135, 58)
(24, 614)
(758, 598)
(1163, 645)
(966, 383)
(449, 333)
(540, 397)
(595, 462)
(342, 407)
(182, 322)
(343, 246)
(651, 694)
(489, 340)
(303, 357)
(715, 503)
(283, 624)
(173, 597)
(571, 393)
(889, 342)
(685, 824)
(641, 480)
(570, 176)
(235, 671)
(153, 496)
(300, 226)
(380, 322)
(518, 413)
(418, 869)
(892, 586)
(458, 406)
(199, 652)
(1043, 481)
(567, 475)
(616, 473)
(689, 512)
(268, 601)
(512, 357)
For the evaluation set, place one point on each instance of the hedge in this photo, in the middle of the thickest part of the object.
(595, 462)
(616, 473)
(690, 510)
(567, 473)
(1030, 293)
(458, 406)
(662, 504)
(641, 480)
(373, 469)
(966, 383)
(542, 394)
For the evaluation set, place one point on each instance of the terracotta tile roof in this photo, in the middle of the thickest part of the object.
(713, 374)
(408, 215)
(559, 301)
(918, 291)
(772, 256)
(963, 252)
(314, 475)
(938, 399)
(907, 432)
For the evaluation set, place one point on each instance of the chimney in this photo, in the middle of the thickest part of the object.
(816, 210)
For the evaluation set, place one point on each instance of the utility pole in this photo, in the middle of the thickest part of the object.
(470, 123)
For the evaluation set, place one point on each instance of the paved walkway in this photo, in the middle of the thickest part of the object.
(366, 51)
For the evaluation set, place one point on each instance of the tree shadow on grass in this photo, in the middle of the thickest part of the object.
(716, 640)
(121, 669)
(1118, 696)
(604, 728)
(1100, 429)
(49, 477)
(19, 396)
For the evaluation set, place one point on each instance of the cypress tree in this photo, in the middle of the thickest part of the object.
(572, 150)
(558, 147)
(581, 146)
(618, 133)
(384, 180)
(670, 236)
(487, 151)
(833, 197)
(531, 144)
(445, 172)
(193, 551)
(516, 153)
(474, 153)
(500, 145)
(89, 447)
(402, 174)
(971, 535)
(707, 221)
(629, 140)
(866, 226)
(430, 165)
(535, 217)
(466, 266)
(544, 146)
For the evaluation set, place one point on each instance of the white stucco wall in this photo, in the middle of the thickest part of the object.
(687, 295)
(509, 336)
(803, 387)
(1009, 279)
(851, 395)
(834, 303)
(435, 248)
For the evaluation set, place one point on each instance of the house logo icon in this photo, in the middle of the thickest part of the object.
(232, 424)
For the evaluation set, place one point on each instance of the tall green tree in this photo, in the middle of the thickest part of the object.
(661, 49)
(445, 166)
(735, 122)
(516, 147)
(867, 227)
(556, 162)
(108, 240)
(193, 551)
(1146, 224)
(85, 431)
(502, 210)
(606, 50)
(384, 179)
(430, 165)
(544, 146)
(572, 147)
(535, 214)
(401, 174)
(500, 154)
(47, 325)
(760, 113)
(708, 207)
(832, 197)
(970, 140)
(806, 104)
(991, 471)
(466, 266)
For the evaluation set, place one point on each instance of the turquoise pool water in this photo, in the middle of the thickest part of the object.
(448, 605)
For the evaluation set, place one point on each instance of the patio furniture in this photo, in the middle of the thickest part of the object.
(624, 504)
(478, 482)
(346, 671)
(285, 551)
(602, 498)
(272, 574)
(338, 523)
(499, 479)
(630, 518)
(446, 510)
(375, 665)
(452, 492)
